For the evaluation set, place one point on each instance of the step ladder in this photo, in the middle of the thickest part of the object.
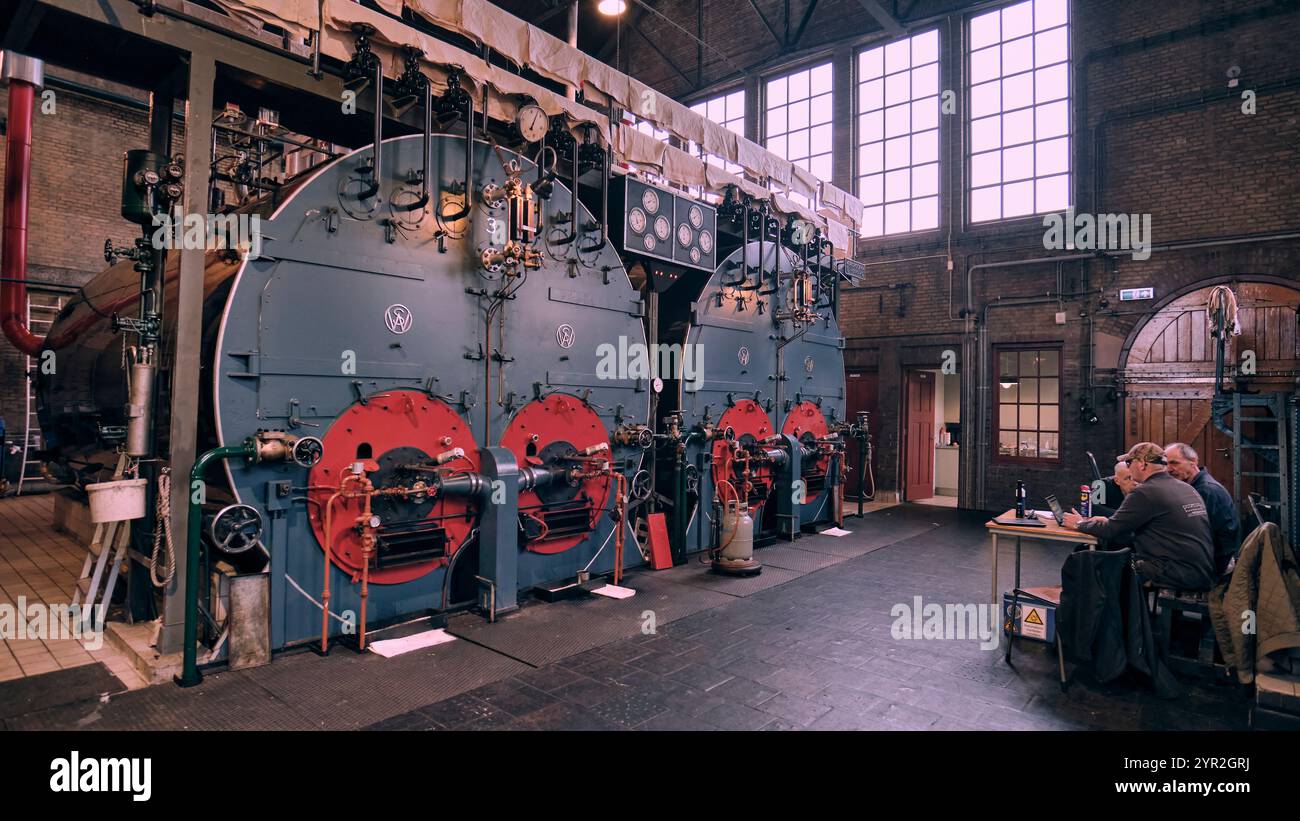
(42, 310)
(1277, 478)
(109, 543)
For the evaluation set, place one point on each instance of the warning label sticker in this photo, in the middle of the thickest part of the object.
(1033, 622)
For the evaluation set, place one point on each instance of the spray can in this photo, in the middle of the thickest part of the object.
(1020, 500)
(1085, 501)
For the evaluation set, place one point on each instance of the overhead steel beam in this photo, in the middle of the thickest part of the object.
(803, 24)
(770, 28)
(26, 17)
(886, 20)
(668, 60)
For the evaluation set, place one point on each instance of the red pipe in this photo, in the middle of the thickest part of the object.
(13, 242)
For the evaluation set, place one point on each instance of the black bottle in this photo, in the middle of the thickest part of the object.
(1020, 500)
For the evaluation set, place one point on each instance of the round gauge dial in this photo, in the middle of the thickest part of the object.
(706, 242)
(532, 122)
(636, 220)
(696, 216)
(650, 200)
(695, 255)
(685, 234)
(648, 241)
(662, 227)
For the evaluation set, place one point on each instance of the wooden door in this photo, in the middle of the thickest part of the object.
(1169, 374)
(863, 388)
(919, 457)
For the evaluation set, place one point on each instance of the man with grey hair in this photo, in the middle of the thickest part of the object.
(1184, 463)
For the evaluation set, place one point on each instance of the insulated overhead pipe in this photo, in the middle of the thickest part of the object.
(25, 75)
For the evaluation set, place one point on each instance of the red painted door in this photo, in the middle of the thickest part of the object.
(919, 459)
(863, 389)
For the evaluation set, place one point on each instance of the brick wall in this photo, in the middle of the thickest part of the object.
(74, 206)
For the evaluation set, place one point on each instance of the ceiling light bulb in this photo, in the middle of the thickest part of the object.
(612, 8)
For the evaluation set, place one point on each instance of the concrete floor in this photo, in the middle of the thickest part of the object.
(805, 648)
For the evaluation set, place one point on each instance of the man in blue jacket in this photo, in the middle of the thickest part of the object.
(1184, 464)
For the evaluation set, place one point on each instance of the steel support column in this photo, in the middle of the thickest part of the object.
(185, 365)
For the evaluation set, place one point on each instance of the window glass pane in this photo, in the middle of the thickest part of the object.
(1007, 416)
(1049, 417)
(1051, 390)
(1028, 416)
(1048, 13)
(1019, 67)
(898, 107)
(1008, 391)
(1049, 363)
(925, 213)
(1007, 365)
(1047, 446)
(1007, 443)
(798, 117)
(1029, 363)
(1028, 390)
(1029, 444)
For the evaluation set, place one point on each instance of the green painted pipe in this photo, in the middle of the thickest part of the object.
(190, 674)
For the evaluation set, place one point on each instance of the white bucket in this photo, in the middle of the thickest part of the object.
(116, 501)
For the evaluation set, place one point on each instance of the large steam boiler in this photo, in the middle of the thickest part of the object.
(761, 423)
(440, 338)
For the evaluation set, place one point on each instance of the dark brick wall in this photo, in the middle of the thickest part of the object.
(74, 206)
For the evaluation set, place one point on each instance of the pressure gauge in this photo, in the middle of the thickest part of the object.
(648, 241)
(695, 255)
(663, 228)
(706, 242)
(685, 234)
(696, 216)
(650, 199)
(532, 122)
(636, 220)
(657, 385)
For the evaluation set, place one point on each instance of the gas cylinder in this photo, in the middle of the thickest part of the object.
(736, 554)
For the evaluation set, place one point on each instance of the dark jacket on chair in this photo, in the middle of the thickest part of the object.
(1103, 619)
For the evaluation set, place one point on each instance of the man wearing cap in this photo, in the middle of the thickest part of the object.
(1170, 528)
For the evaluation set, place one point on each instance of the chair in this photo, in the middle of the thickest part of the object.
(1173, 606)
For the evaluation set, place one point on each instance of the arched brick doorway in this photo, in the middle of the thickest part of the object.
(1168, 362)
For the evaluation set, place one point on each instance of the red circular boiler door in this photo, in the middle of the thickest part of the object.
(750, 424)
(807, 423)
(402, 432)
(544, 433)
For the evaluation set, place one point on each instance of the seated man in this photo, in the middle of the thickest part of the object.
(1118, 485)
(1185, 464)
(1171, 530)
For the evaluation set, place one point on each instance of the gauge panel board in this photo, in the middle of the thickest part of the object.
(695, 232)
(660, 224)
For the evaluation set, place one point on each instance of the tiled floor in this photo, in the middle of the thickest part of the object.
(814, 651)
(40, 565)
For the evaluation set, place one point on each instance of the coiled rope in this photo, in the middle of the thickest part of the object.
(162, 531)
